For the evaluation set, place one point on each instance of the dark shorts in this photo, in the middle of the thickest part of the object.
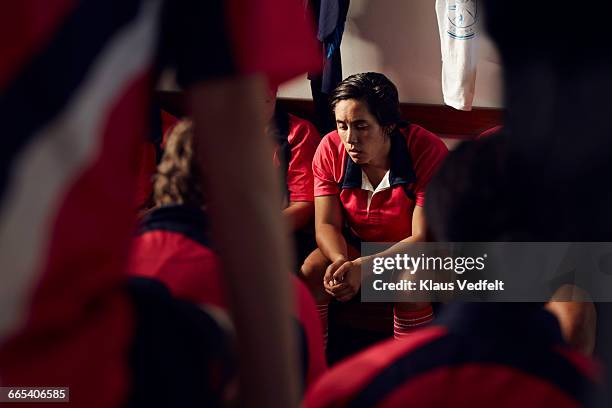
(305, 242)
(351, 239)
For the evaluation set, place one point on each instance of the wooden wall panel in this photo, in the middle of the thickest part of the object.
(440, 119)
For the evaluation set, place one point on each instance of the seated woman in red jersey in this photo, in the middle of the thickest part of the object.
(174, 248)
(475, 354)
(370, 178)
(296, 142)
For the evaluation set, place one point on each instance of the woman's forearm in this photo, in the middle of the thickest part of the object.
(331, 242)
(399, 247)
(299, 214)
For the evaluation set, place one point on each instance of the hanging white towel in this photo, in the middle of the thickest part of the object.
(458, 26)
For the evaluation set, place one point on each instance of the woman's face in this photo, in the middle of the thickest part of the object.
(363, 137)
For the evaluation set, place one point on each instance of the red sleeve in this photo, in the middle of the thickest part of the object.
(208, 40)
(342, 382)
(275, 37)
(427, 151)
(323, 169)
(303, 139)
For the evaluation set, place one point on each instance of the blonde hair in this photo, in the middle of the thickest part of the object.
(177, 180)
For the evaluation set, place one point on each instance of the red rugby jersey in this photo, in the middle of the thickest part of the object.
(303, 138)
(384, 215)
(173, 247)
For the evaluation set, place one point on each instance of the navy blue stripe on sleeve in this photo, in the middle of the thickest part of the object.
(455, 351)
(47, 83)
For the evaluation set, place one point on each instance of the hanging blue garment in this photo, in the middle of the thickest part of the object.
(330, 16)
(330, 23)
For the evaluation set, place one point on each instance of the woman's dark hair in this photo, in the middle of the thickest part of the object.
(376, 90)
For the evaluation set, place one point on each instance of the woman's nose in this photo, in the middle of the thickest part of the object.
(351, 137)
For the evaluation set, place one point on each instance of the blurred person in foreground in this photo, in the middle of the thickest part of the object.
(76, 82)
(556, 94)
(174, 246)
(296, 141)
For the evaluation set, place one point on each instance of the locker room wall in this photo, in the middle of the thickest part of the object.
(400, 39)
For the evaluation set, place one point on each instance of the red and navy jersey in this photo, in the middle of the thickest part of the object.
(302, 139)
(477, 355)
(383, 214)
(174, 248)
(75, 84)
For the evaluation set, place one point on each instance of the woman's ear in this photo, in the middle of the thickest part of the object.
(389, 129)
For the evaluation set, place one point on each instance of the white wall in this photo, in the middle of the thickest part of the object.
(400, 39)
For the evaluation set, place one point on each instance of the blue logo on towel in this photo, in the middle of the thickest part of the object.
(462, 19)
